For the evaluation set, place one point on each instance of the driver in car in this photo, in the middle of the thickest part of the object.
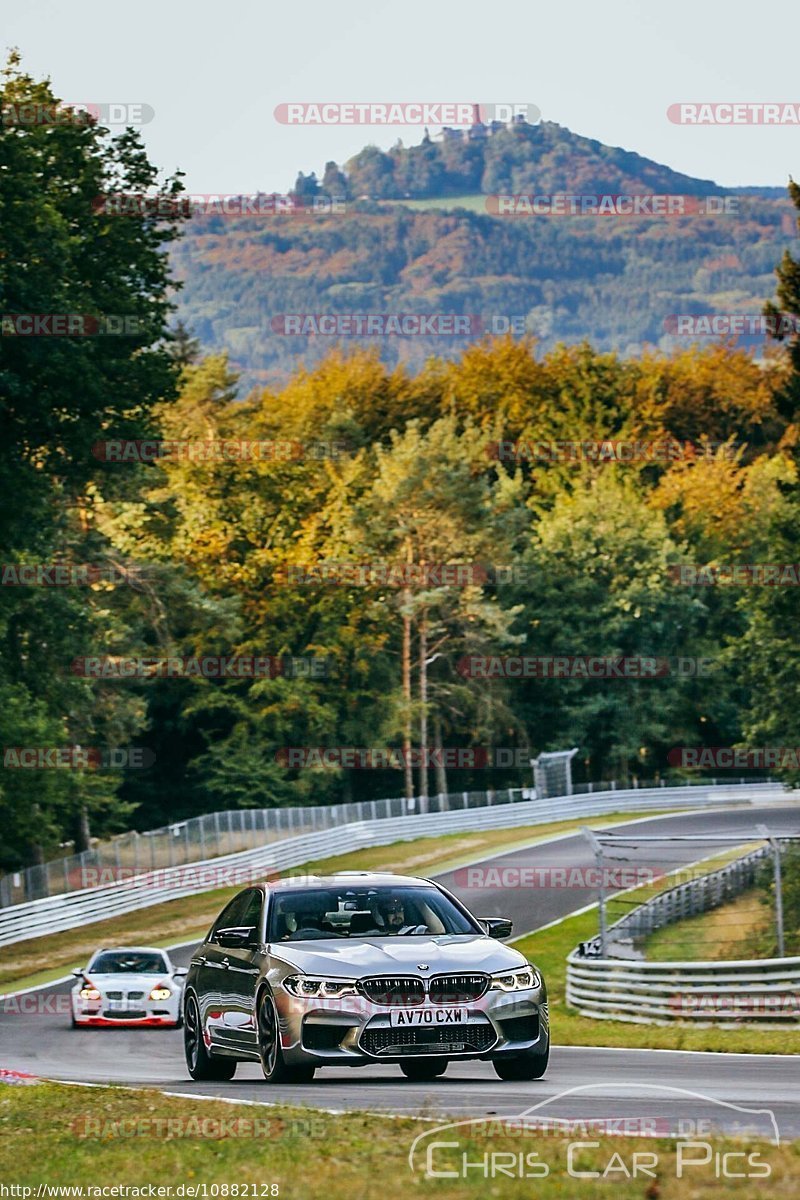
(395, 917)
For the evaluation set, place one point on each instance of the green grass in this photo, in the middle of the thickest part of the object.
(311, 1154)
(742, 928)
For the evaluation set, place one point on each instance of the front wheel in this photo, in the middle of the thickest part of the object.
(199, 1062)
(422, 1069)
(273, 1064)
(528, 1065)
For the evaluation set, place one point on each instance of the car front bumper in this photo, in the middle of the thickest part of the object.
(355, 1031)
(149, 1012)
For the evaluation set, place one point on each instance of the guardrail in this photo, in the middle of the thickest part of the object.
(36, 918)
(766, 989)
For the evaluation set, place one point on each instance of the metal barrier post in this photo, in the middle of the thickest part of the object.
(776, 861)
(601, 893)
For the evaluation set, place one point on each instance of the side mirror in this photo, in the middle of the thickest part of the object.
(236, 937)
(179, 971)
(78, 972)
(497, 927)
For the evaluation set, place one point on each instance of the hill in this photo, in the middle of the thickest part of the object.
(417, 230)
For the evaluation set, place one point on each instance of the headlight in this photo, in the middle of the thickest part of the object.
(316, 988)
(515, 981)
(89, 993)
(160, 993)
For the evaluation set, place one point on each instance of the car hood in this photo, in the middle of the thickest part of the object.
(386, 956)
(119, 981)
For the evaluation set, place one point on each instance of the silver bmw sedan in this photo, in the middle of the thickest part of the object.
(357, 968)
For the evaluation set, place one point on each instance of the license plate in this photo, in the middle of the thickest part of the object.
(428, 1016)
(122, 1006)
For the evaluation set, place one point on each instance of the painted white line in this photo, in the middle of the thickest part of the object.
(334, 1112)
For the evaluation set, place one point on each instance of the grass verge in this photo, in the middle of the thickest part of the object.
(306, 1154)
(742, 928)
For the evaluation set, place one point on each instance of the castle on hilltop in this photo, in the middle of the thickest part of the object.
(478, 129)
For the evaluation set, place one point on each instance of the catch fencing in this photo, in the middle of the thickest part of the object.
(501, 810)
(688, 899)
(214, 835)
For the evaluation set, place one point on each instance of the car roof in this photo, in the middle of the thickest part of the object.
(356, 879)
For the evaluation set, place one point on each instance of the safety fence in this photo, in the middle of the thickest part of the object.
(213, 835)
(688, 899)
(131, 892)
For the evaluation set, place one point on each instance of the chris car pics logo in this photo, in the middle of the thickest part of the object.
(539, 1144)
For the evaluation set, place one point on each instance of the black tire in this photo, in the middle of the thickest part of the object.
(418, 1070)
(528, 1065)
(199, 1062)
(269, 1047)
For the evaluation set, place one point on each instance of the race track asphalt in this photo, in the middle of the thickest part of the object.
(666, 1086)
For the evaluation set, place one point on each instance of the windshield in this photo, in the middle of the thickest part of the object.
(128, 962)
(347, 911)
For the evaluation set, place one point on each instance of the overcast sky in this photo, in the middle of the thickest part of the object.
(214, 73)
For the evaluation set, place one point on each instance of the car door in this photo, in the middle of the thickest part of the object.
(244, 965)
(211, 979)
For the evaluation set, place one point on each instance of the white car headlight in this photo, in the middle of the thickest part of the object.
(161, 992)
(89, 993)
(515, 981)
(314, 987)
